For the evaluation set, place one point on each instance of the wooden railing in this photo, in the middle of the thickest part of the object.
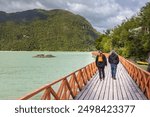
(141, 77)
(68, 87)
(65, 88)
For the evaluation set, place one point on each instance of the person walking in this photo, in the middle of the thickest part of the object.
(113, 60)
(101, 62)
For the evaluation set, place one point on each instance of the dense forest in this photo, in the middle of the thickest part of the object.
(131, 38)
(46, 30)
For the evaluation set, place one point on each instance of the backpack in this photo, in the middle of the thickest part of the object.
(100, 58)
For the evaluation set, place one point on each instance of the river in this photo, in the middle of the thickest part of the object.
(21, 73)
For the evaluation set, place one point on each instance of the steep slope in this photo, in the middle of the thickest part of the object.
(45, 30)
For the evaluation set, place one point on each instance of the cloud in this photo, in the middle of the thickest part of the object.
(19, 5)
(107, 13)
(102, 14)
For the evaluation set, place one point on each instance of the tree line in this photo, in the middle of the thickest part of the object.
(60, 30)
(131, 38)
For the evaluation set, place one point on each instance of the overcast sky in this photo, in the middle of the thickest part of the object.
(102, 14)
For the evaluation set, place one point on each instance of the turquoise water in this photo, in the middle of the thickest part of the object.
(20, 73)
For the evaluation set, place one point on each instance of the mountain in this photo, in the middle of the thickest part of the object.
(24, 16)
(39, 29)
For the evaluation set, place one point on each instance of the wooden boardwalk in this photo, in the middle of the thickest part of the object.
(123, 88)
(132, 83)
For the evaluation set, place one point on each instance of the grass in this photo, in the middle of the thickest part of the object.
(142, 66)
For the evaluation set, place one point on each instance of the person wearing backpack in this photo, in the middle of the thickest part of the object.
(113, 60)
(101, 62)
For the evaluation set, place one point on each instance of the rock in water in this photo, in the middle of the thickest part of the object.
(43, 56)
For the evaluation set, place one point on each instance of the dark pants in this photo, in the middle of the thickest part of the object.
(113, 70)
(101, 72)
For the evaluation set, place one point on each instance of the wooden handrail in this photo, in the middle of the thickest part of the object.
(68, 87)
(140, 76)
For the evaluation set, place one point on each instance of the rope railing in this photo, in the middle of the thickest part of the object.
(140, 76)
(65, 88)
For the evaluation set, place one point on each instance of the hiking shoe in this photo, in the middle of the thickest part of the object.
(114, 78)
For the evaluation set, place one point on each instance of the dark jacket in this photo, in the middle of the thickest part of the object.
(101, 64)
(113, 59)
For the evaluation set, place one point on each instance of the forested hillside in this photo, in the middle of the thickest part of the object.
(45, 30)
(131, 38)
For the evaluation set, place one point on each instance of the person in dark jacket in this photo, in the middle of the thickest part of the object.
(101, 62)
(113, 60)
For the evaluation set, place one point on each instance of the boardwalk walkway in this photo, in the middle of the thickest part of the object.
(123, 88)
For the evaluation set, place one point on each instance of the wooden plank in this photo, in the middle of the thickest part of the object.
(111, 89)
(135, 88)
(125, 84)
(93, 92)
(129, 86)
(95, 89)
(84, 89)
(98, 93)
(130, 90)
(126, 87)
(122, 89)
(96, 97)
(107, 87)
(115, 90)
(82, 94)
(102, 92)
(91, 89)
(119, 92)
(118, 86)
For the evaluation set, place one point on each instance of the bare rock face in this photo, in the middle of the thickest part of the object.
(44, 56)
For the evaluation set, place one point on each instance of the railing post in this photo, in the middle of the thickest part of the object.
(65, 91)
(80, 72)
(74, 76)
(148, 88)
(73, 96)
(46, 94)
(89, 69)
(59, 92)
(53, 93)
(87, 72)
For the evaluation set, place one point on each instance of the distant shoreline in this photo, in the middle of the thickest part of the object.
(41, 51)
